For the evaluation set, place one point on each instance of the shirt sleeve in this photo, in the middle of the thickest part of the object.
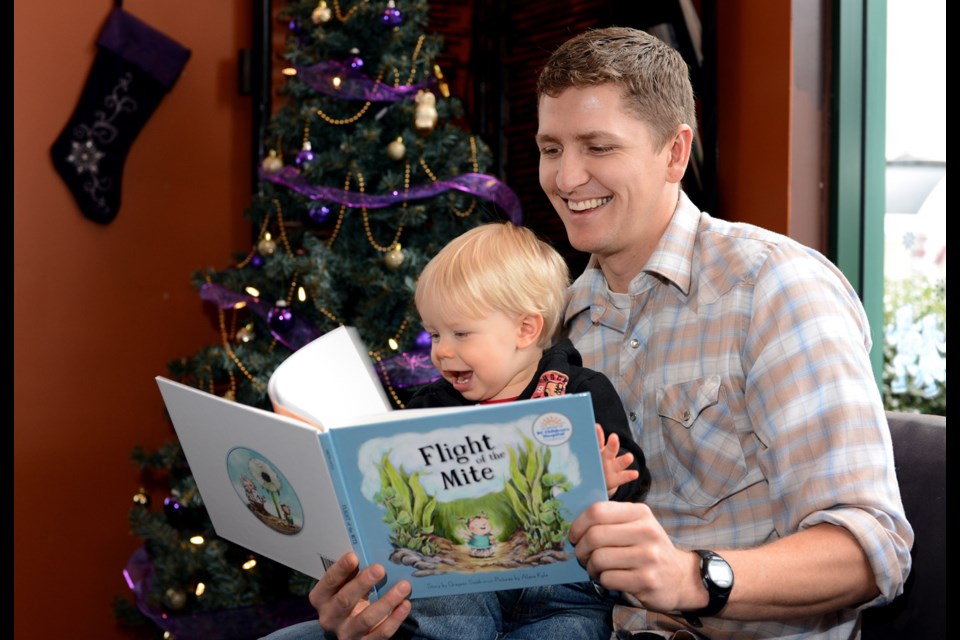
(814, 404)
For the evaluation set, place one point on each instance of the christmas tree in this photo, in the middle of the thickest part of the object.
(369, 171)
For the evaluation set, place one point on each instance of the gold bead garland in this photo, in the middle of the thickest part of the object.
(366, 218)
(343, 18)
(343, 210)
(283, 230)
(396, 82)
(386, 377)
(476, 168)
(263, 229)
(233, 356)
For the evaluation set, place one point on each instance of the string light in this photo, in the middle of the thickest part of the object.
(393, 344)
(200, 589)
(253, 291)
(249, 564)
(301, 294)
(197, 540)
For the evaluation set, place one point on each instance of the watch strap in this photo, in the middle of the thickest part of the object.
(718, 595)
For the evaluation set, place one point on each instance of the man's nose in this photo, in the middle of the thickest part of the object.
(571, 172)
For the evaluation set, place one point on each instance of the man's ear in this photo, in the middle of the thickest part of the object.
(679, 153)
(529, 327)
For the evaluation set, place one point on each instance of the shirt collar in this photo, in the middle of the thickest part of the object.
(671, 260)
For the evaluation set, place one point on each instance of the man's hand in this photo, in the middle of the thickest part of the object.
(340, 598)
(624, 548)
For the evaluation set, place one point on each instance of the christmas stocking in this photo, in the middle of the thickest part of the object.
(134, 68)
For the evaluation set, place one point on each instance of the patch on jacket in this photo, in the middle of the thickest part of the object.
(551, 383)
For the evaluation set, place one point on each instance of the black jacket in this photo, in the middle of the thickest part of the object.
(565, 360)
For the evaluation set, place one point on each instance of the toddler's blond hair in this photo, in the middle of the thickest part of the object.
(502, 267)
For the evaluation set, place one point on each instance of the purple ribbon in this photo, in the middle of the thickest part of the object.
(296, 335)
(476, 184)
(354, 84)
(402, 370)
(407, 370)
(241, 622)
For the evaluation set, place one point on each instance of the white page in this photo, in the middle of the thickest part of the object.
(213, 431)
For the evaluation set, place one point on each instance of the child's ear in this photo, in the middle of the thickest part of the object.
(529, 327)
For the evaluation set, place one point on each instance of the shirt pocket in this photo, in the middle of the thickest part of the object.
(703, 452)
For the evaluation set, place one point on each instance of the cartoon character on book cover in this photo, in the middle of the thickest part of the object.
(474, 498)
(265, 490)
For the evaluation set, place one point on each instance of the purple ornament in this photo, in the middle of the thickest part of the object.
(280, 319)
(294, 26)
(172, 509)
(305, 157)
(392, 16)
(319, 213)
(356, 62)
(423, 341)
(256, 260)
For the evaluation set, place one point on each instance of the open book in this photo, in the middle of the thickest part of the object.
(455, 500)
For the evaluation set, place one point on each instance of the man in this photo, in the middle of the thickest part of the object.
(741, 358)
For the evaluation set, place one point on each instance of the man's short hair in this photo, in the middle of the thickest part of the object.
(653, 77)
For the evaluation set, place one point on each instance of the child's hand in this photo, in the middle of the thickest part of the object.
(616, 469)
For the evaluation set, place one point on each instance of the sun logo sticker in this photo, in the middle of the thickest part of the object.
(552, 429)
(264, 490)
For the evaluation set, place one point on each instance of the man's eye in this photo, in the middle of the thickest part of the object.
(601, 149)
(550, 151)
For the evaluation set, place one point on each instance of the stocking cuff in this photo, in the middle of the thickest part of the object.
(139, 43)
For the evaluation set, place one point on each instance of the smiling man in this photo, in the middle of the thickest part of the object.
(741, 358)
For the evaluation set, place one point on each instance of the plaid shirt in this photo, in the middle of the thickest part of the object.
(741, 358)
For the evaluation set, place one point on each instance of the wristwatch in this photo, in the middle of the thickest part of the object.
(717, 577)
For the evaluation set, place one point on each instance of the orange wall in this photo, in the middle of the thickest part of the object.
(754, 79)
(99, 310)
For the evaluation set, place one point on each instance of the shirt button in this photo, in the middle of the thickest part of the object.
(634, 343)
(633, 417)
(686, 416)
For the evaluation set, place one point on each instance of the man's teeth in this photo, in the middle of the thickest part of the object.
(461, 379)
(592, 203)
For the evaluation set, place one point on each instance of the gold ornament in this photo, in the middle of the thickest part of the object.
(272, 163)
(394, 257)
(321, 13)
(396, 150)
(141, 498)
(425, 116)
(266, 246)
(176, 598)
(245, 333)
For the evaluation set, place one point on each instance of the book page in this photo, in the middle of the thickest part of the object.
(330, 382)
(263, 478)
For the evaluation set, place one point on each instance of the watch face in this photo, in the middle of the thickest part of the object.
(720, 573)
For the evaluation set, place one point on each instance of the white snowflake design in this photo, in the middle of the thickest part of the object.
(85, 155)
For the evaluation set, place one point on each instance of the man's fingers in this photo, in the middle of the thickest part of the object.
(382, 619)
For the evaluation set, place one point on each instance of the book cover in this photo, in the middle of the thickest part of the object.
(455, 500)
(470, 499)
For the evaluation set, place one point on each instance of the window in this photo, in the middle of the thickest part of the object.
(914, 227)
